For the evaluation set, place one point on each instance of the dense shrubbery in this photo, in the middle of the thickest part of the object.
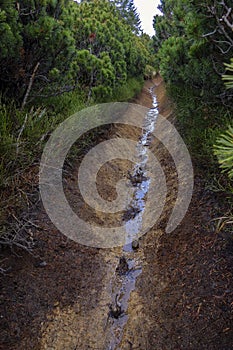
(57, 56)
(192, 42)
(51, 47)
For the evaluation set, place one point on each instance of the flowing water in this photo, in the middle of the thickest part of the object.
(130, 265)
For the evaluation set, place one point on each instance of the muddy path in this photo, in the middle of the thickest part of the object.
(167, 291)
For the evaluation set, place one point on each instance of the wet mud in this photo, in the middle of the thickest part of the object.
(159, 292)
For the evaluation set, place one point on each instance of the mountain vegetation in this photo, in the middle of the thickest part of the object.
(58, 56)
(56, 46)
(193, 43)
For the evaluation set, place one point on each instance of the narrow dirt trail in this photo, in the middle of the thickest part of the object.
(179, 297)
(102, 327)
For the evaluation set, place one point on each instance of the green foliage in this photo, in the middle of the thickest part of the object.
(56, 57)
(9, 31)
(108, 50)
(43, 38)
(55, 46)
(58, 53)
(228, 78)
(172, 57)
(192, 42)
(129, 13)
(23, 133)
(199, 125)
(128, 91)
(223, 149)
(101, 56)
(149, 72)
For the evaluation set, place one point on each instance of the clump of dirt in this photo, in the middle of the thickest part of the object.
(60, 298)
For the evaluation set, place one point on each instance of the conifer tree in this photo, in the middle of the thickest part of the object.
(193, 40)
(51, 47)
(129, 12)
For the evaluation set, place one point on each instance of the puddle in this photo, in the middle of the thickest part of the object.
(130, 263)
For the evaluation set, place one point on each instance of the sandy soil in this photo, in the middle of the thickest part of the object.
(59, 298)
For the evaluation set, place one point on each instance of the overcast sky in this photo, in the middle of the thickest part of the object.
(147, 9)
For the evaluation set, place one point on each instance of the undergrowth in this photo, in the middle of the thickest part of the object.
(200, 125)
(128, 91)
(23, 136)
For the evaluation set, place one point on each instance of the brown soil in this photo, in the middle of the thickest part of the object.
(183, 298)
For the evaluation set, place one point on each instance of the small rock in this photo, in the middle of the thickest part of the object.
(123, 266)
(115, 311)
(41, 264)
(135, 244)
(131, 213)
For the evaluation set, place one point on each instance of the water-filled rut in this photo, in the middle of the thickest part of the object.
(131, 262)
(103, 326)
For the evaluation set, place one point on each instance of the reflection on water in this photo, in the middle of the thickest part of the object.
(123, 284)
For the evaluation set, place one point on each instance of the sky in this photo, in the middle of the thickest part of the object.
(146, 10)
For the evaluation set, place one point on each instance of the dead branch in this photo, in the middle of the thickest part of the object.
(225, 19)
(224, 23)
(224, 43)
(57, 93)
(209, 34)
(30, 86)
(18, 234)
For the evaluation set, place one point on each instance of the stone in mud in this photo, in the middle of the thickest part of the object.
(115, 311)
(40, 264)
(137, 178)
(123, 266)
(135, 244)
(131, 213)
